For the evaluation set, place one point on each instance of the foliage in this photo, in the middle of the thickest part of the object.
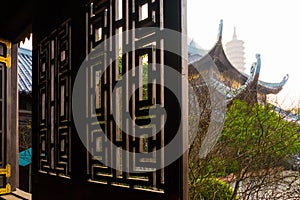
(213, 188)
(254, 143)
(145, 77)
(253, 133)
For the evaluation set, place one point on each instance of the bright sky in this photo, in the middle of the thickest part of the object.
(270, 28)
(27, 44)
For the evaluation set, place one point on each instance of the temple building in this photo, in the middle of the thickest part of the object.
(229, 79)
(214, 83)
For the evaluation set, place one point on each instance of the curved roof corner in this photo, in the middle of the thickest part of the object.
(217, 54)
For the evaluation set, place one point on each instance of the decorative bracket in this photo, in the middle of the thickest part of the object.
(5, 190)
(7, 172)
(6, 58)
(6, 42)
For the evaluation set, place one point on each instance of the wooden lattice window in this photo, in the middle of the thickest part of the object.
(54, 102)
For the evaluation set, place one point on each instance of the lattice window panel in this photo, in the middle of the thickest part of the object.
(54, 113)
(3, 109)
(105, 19)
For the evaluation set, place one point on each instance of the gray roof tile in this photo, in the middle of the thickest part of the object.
(24, 70)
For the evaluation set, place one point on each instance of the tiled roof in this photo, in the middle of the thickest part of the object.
(24, 70)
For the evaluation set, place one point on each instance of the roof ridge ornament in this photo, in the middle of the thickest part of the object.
(255, 68)
(258, 64)
(284, 80)
(258, 60)
(220, 30)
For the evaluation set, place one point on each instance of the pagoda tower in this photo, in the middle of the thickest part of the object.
(235, 52)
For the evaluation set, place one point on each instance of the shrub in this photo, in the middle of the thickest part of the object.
(213, 188)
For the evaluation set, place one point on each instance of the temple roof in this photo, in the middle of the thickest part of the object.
(287, 115)
(225, 67)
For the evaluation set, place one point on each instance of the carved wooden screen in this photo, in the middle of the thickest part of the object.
(54, 113)
(82, 164)
(106, 19)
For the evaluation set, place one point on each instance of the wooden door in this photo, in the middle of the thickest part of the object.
(8, 117)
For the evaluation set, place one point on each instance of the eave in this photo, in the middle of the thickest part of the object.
(16, 20)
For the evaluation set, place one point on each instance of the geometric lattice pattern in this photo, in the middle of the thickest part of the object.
(54, 113)
(106, 19)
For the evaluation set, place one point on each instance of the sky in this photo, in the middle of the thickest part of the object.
(27, 44)
(270, 28)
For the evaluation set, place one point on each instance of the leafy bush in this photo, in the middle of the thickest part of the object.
(213, 188)
(255, 142)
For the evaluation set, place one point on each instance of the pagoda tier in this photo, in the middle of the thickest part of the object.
(235, 84)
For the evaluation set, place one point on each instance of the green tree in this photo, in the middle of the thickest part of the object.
(254, 143)
(255, 139)
(214, 189)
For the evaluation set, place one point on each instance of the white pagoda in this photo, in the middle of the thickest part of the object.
(235, 52)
